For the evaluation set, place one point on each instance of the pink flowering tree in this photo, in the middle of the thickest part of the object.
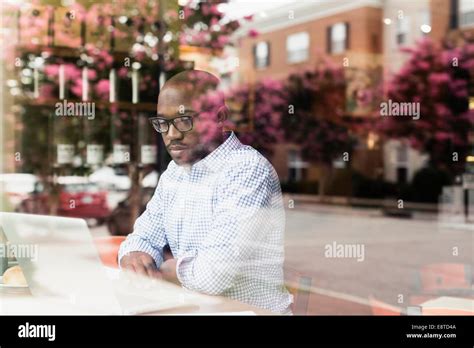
(260, 107)
(439, 79)
(255, 114)
(140, 29)
(204, 24)
(97, 61)
(316, 101)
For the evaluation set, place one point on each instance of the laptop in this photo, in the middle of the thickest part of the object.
(66, 268)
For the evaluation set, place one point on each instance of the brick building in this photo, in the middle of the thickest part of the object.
(294, 38)
(366, 34)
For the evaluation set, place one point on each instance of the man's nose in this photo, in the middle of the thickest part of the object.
(173, 133)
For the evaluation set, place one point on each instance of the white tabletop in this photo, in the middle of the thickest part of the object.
(449, 303)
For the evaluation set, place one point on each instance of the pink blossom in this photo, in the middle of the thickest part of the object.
(447, 57)
(442, 110)
(113, 108)
(71, 71)
(102, 89)
(76, 87)
(442, 136)
(423, 65)
(79, 11)
(51, 70)
(107, 58)
(214, 20)
(205, 9)
(188, 12)
(122, 72)
(182, 39)
(253, 33)
(172, 14)
(439, 78)
(46, 91)
(215, 10)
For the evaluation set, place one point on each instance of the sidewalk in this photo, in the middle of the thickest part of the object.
(371, 208)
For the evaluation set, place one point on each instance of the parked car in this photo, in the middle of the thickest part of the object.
(19, 186)
(119, 222)
(110, 179)
(80, 198)
(77, 198)
(113, 179)
(151, 179)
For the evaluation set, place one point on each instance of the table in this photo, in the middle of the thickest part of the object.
(23, 303)
(446, 305)
(227, 306)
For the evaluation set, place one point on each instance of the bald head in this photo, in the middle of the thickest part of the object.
(190, 85)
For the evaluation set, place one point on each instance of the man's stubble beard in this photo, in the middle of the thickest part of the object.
(198, 153)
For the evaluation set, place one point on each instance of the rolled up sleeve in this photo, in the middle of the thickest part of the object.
(148, 231)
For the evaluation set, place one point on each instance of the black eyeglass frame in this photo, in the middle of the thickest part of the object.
(171, 121)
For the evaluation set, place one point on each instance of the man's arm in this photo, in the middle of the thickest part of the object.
(244, 217)
(142, 251)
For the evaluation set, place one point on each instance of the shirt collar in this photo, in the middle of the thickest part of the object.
(216, 158)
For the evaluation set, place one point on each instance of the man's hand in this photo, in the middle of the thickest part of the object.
(141, 263)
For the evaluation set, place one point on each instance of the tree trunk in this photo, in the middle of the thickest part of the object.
(325, 179)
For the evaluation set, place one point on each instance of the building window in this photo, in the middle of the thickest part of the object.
(402, 154)
(261, 54)
(338, 38)
(466, 13)
(425, 26)
(226, 81)
(403, 28)
(402, 163)
(297, 47)
(296, 166)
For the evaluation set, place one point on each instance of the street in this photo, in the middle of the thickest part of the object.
(394, 250)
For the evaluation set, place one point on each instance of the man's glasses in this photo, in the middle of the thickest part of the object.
(181, 123)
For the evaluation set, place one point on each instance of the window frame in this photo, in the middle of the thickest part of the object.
(402, 32)
(257, 59)
(305, 56)
(463, 12)
(345, 41)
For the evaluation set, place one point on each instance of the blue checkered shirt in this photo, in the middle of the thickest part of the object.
(223, 219)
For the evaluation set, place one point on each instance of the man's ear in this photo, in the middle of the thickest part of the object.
(222, 114)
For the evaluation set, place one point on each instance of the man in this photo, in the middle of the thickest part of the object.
(218, 205)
